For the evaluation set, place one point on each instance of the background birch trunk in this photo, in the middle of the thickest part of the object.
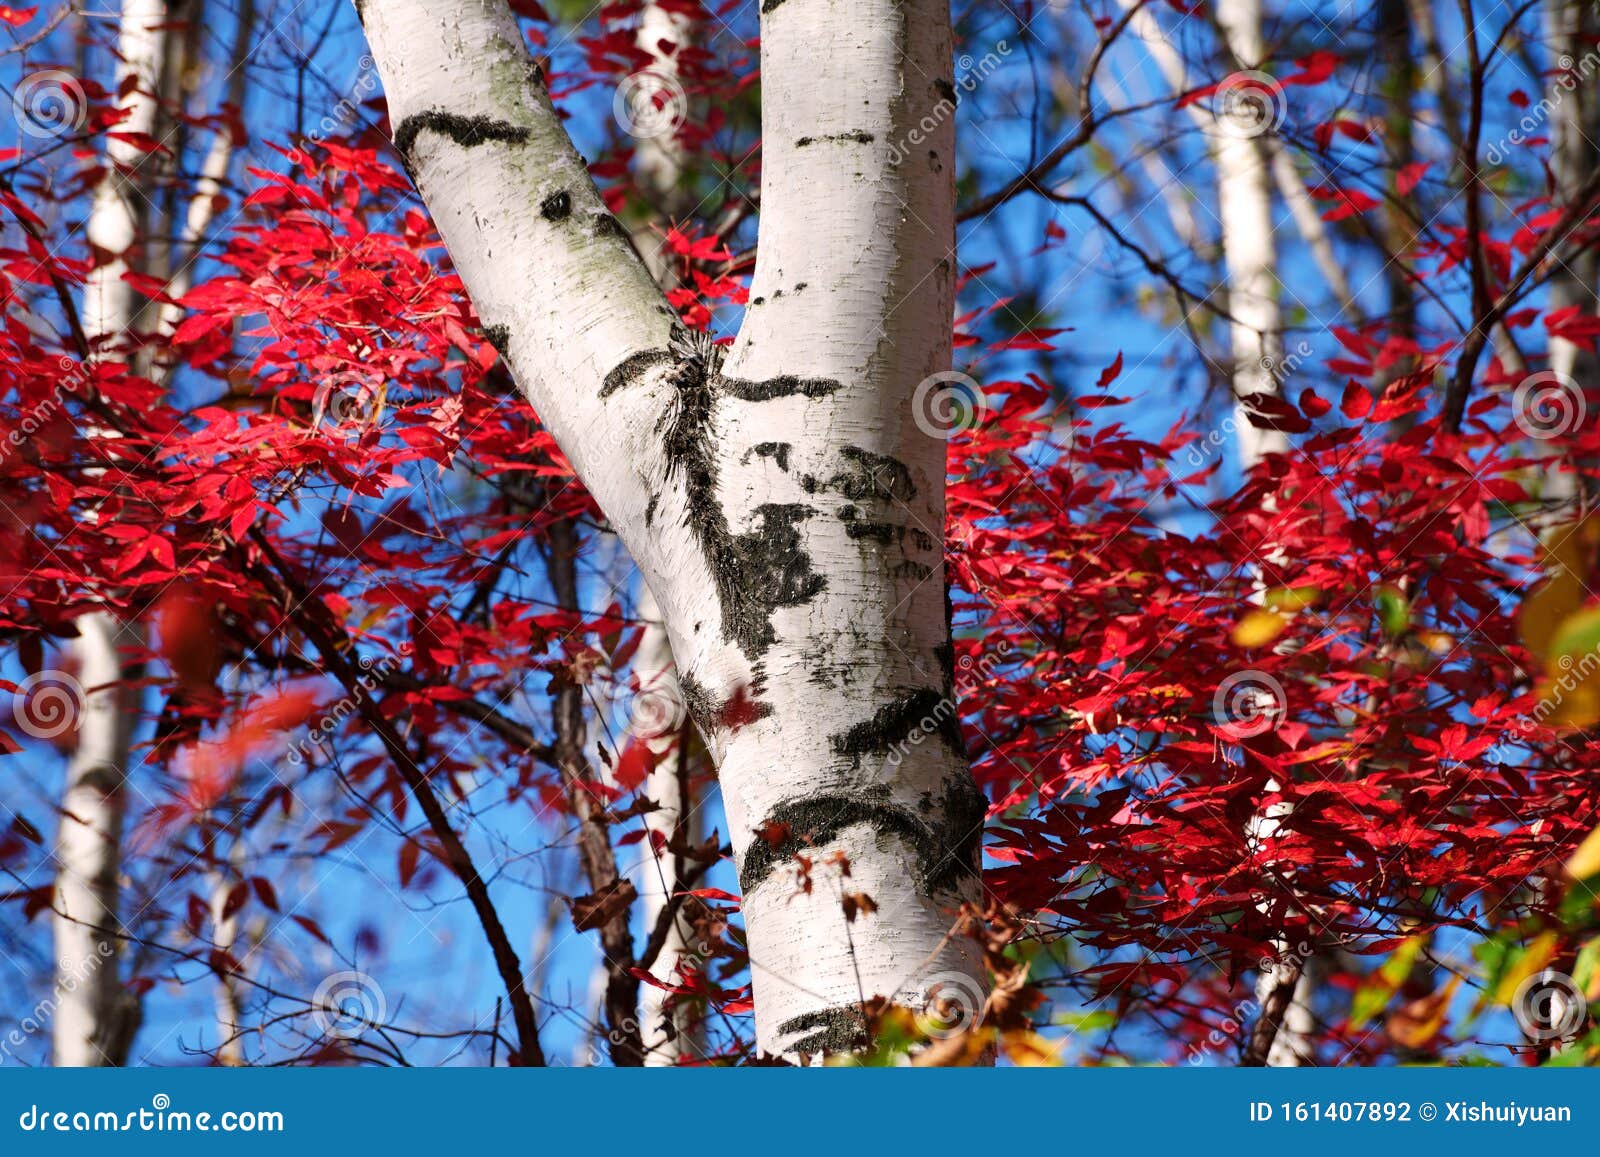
(94, 1021)
(786, 503)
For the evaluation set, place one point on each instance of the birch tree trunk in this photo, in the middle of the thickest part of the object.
(1571, 27)
(784, 504)
(94, 1021)
(1244, 201)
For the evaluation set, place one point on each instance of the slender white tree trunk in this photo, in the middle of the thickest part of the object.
(94, 1022)
(1570, 28)
(785, 504)
(1244, 198)
(1244, 201)
(655, 698)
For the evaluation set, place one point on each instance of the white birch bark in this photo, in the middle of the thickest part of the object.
(1244, 204)
(93, 1022)
(784, 503)
(1569, 30)
(658, 688)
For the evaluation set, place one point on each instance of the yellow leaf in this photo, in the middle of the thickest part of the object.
(1567, 551)
(1436, 641)
(1417, 1022)
(1259, 628)
(1027, 1049)
(1292, 598)
(1585, 862)
(1532, 961)
(1575, 706)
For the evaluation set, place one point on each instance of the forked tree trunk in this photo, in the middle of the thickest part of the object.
(784, 503)
(94, 1022)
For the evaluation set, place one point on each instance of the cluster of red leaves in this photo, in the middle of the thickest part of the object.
(1136, 710)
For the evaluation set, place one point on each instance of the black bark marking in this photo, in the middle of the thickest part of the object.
(943, 846)
(467, 131)
(769, 5)
(871, 475)
(498, 336)
(605, 225)
(777, 451)
(883, 532)
(948, 91)
(857, 136)
(783, 386)
(755, 572)
(631, 368)
(701, 706)
(923, 710)
(557, 206)
(829, 1030)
